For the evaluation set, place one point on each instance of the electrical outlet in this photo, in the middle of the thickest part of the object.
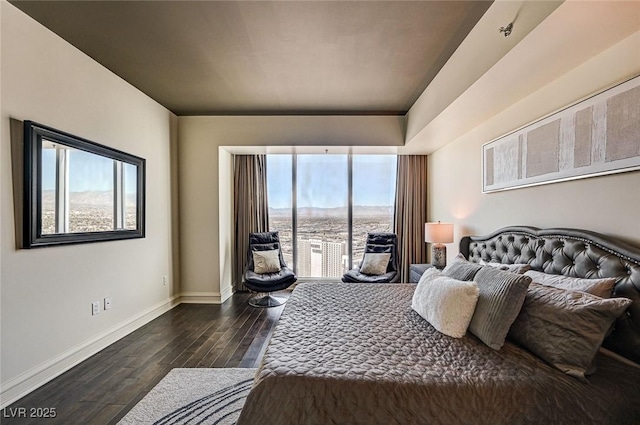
(165, 280)
(95, 308)
(107, 303)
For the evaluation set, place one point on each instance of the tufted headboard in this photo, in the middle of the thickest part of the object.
(571, 252)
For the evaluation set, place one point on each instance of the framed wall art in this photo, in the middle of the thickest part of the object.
(596, 136)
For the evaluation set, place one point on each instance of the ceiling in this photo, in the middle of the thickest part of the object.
(268, 57)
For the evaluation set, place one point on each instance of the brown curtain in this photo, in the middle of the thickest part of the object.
(250, 208)
(411, 211)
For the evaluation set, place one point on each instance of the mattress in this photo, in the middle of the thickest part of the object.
(358, 354)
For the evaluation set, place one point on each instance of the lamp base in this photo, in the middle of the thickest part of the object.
(439, 256)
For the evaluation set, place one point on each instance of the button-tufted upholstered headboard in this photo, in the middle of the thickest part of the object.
(571, 252)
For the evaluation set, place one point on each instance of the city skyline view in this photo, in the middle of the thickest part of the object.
(329, 231)
(80, 191)
(323, 206)
(89, 211)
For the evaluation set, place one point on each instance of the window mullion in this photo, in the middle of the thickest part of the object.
(294, 210)
(350, 211)
(118, 195)
(62, 190)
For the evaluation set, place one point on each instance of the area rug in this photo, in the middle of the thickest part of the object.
(194, 396)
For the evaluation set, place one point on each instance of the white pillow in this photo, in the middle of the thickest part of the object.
(446, 303)
(375, 263)
(266, 261)
(429, 274)
(427, 277)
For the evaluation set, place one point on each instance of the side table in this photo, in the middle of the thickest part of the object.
(416, 270)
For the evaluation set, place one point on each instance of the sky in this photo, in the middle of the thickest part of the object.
(322, 180)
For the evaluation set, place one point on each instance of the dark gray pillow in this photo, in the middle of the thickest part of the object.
(461, 269)
(501, 296)
(599, 287)
(565, 328)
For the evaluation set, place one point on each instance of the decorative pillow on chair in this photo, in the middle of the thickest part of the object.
(513, 268)
(266, 261)
(446, 303)
(375, 263)
(501, 297)
(599, 287)
(565, 328)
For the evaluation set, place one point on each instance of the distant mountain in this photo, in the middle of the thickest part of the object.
(366, 211)
(95, 198)
(358, 211)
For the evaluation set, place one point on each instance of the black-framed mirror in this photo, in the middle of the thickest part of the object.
(78, 191)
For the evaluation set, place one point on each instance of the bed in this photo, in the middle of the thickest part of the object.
(359, 354)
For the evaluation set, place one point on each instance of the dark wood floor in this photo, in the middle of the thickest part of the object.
(103, 388)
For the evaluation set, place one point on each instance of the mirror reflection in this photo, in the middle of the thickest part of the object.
(78, 191)
(85, 192)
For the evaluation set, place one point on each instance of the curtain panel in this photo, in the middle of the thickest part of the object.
(251, 208)
(410, 213)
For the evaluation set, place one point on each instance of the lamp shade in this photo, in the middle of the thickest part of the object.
(438, 232)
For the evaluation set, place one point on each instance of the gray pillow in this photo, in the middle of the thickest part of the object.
(375, 264)
(513, 268)
(499, 302)
(599, 287)
(461, 269)
(266, 261)
(565, 328)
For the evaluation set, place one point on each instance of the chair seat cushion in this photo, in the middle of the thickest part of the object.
(269, 282)
(354, 275)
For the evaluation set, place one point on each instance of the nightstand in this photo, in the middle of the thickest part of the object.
(416, 270)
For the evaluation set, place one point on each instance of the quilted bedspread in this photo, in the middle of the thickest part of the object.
(358, 354)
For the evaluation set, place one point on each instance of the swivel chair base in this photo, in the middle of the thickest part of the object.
(267, 301)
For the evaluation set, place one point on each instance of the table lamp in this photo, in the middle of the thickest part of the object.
(438, 234)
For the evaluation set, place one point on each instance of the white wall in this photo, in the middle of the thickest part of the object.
(479, 51)
(206, 185)
(609, 204)
(46, 293)
(573, 33)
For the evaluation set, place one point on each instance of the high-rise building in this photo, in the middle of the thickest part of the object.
(317, 258)
(304, 258)
(332, 259)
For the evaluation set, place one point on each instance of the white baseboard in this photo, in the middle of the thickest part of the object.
(24, 383)
(201, 298)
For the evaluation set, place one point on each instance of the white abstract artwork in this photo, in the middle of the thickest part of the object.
(597, 136)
